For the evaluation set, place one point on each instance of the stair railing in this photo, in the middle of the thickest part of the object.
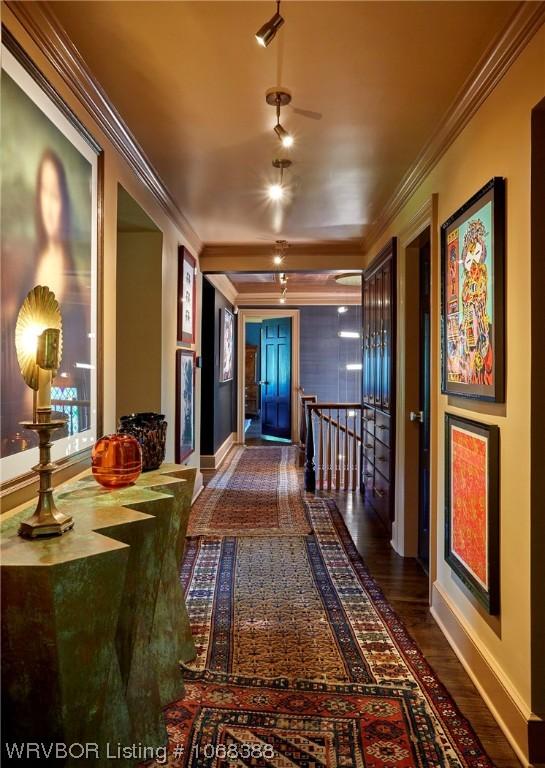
(332, 446)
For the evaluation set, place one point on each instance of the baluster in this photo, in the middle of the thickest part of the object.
(355, 454)
(329, 438)
(346, 453)
(337, 453)
(310, 469)
(321, 452)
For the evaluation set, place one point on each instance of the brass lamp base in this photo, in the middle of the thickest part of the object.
(47, 520)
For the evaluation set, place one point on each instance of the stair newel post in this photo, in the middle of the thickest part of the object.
(310, 468)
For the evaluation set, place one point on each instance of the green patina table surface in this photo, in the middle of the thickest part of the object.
(94, 622)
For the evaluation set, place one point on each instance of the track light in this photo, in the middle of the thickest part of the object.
(283, 279)
(278, 99)
(267, 32)
(277, 191)
(277, 259)
(285, 137)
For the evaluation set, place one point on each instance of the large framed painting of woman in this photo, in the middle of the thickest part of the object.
(472, 306)
(51, 235)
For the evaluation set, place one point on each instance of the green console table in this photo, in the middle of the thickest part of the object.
(94, 623)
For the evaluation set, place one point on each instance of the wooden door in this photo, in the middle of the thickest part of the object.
(251, 388)
(276, 377)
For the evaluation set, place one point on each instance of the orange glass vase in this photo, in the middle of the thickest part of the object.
(116, 460)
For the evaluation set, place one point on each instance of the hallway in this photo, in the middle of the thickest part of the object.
(300, 658)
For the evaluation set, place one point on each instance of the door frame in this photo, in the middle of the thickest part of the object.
(405, 527)
(269, 314)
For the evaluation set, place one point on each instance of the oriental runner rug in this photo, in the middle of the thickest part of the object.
(255, 493)
(302, 663)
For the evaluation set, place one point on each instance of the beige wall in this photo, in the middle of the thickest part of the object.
(496, 142)
(117, 171)
(139, 320)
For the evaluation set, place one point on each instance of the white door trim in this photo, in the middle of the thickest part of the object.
(268, 314)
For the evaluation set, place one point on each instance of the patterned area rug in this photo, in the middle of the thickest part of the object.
(302, 663)
(256, 493)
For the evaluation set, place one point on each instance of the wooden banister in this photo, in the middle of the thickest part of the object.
(334, 441)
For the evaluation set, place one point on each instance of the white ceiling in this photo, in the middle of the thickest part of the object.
(190, 82)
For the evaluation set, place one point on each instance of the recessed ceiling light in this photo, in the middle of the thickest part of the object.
(342, 310)
(353, 366)
(267, 32)
(349, 334)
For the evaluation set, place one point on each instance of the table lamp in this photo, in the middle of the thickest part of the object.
(38, 341)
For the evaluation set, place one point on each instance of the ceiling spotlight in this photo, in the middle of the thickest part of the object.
(354, 366)
(266, 34)
(278, 99)
(342, 310)
(278, 259)
(285, 137)
(282, 277)
(276, 191)
(282, 300)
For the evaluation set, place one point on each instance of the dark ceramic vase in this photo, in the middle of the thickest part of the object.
(150, 429)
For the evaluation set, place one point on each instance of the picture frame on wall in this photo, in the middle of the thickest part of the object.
(472, 297)
(227, 345)
(186, 296)
(472, 506)
(51, 235)
(185, 404)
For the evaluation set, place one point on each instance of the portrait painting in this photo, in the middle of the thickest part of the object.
(472, 524)
(185, 404)
(472, 290)
(49, 204)
(186, 296)
(227, 341)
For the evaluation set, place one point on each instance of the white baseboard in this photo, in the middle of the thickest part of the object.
(214, 461)
(198, 487)
(522, 729)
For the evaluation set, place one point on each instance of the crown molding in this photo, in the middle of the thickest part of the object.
(40, 23)
(491, 68)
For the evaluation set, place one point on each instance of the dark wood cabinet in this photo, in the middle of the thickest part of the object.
(378, 385)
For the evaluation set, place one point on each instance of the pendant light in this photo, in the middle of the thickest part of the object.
(279, 99)
(267, 32)
(277, 191)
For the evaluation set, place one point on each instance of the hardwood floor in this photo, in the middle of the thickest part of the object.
(405, 584)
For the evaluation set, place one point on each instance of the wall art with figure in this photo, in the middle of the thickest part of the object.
(185, 404)
(473, 305)
(227, 345)
(49, 237)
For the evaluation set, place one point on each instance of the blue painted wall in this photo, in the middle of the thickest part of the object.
(324, 355)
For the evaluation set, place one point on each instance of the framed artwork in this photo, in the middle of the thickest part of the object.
(186, 296)
(185, 404)
(227, 345)
(472, 506)
(50, 222)
(472, 291)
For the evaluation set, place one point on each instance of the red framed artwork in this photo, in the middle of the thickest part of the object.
(472, 506)
(186, 296)
(185, 404)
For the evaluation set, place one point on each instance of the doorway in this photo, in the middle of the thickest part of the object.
(268, 361)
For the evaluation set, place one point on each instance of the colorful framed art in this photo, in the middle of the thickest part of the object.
(472, 506)
(227, 348)
(186, 296)
(472, 306)
(51, 223)
(185, 404)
